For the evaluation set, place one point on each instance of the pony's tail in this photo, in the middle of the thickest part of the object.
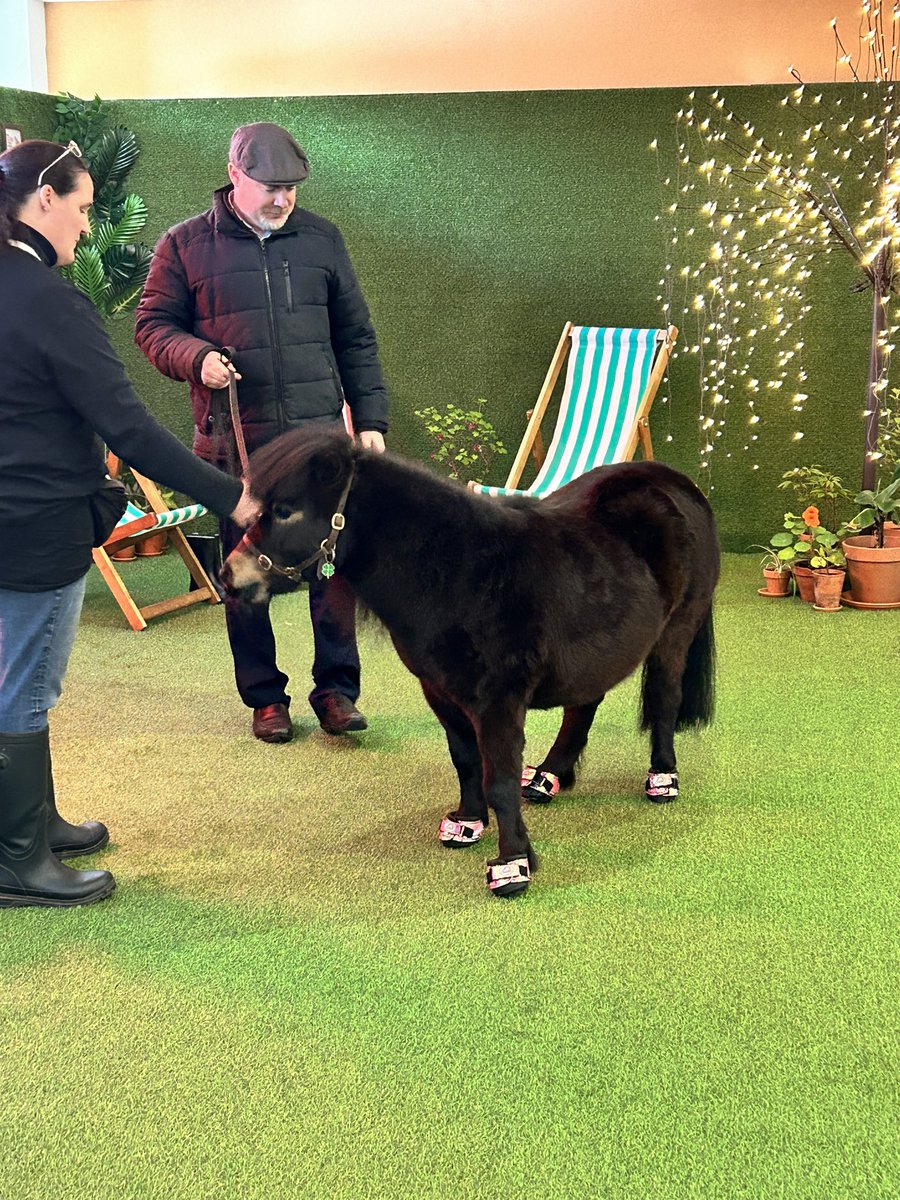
(698, 684)
(698, 681)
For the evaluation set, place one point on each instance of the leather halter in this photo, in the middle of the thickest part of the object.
(325, 552)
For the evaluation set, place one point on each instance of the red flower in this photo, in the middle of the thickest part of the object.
(810, 517)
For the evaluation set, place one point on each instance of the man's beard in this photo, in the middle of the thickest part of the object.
(268, 224)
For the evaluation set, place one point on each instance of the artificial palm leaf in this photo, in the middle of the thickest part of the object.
(110, 268)
(115, 155)
(132, 220)
(103, 235)
(88, 275)
(126, 268)
(127, 300)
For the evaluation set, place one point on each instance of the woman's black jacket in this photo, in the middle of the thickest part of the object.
(63, 393)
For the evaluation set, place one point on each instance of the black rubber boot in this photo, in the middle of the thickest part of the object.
(29, 872)
(68, 840)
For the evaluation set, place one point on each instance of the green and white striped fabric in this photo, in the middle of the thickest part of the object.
(606, 377)
(177, 516)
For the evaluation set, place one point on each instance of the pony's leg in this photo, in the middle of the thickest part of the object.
(661, 698)
(501, 739)
(557, 771)
(465, 824)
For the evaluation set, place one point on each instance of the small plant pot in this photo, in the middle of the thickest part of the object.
(874, 572)
(827, 587)
(804, 578)
(778, 583)
(153, 544)
(124, 554)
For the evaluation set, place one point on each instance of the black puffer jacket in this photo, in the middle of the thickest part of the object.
(289, 304)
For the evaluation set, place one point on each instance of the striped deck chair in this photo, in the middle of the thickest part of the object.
(611, 379)
(135, 525)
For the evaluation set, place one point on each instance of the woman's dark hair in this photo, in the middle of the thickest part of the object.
(20, 169)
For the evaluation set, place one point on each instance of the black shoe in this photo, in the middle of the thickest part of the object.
(67, 840)
(30, 874)
(272, 723)
(338, 714)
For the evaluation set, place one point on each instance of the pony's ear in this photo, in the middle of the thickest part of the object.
(328, 468)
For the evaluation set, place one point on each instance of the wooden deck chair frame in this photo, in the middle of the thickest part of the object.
(137, 615)
(532, 442)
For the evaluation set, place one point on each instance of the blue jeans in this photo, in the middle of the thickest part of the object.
(37, 631)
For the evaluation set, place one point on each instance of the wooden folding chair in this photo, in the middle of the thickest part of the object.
(134, 526)
(611, 380)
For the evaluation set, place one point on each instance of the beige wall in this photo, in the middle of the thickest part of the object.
(154, 48)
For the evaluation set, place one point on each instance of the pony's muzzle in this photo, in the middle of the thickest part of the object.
(242, 576)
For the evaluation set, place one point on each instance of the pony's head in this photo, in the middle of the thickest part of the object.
(302, 480)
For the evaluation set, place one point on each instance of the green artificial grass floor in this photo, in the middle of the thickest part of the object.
(295, 992)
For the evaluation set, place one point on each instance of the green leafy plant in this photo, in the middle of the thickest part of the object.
(134, 493)
(804, 541)
(814, 485)
(773, 559)
(110, 266)
(463, 440)
(878, 507)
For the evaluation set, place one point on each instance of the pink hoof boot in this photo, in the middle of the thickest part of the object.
(661, 787)
(539, 786)
(508, 878)
(460, 833)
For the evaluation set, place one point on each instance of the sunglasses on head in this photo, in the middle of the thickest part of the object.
(72, 148)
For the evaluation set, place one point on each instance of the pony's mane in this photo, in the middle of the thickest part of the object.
(331, 453)
(293, 451)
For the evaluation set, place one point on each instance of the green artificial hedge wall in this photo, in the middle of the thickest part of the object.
(478, 224)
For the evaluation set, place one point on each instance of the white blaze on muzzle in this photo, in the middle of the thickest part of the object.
(247, 575)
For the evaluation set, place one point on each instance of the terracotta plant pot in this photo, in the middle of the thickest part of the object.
(778, 583)
(874, 572)
(891, 534)
(124, 554)
(828, 586)
(153, 544)
(803, 577)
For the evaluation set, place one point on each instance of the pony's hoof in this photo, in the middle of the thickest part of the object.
(538, 786)
(460, 833)
(661, 787)
(508, 878)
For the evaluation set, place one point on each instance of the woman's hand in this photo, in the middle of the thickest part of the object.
(248, 509)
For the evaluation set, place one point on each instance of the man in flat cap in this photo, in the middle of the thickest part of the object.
(273, 282)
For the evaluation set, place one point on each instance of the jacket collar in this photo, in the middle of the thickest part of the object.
(228, 222)
(30, 239)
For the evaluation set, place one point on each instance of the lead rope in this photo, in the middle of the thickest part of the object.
(227, 353)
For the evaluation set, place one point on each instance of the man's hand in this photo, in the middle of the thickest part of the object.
(371, 439)
(248, 509)
(215, 372)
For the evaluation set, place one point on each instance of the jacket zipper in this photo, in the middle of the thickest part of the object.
(273, 334)
(287, 285)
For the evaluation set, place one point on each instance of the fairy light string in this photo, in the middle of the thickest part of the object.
(749, 216)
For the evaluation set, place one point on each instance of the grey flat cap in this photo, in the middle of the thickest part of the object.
(268, 154)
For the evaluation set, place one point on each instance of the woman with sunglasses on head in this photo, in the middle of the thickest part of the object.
(63, 393)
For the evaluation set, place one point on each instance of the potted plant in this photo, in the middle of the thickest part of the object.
(873, 559)
(463, 441)
(816, 487)
(827, 562)
(776, 565)
(152, 544)
(812, 551)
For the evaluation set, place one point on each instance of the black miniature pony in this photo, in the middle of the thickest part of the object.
(501, 605)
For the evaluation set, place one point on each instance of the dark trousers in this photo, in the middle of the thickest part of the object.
(335, 668)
